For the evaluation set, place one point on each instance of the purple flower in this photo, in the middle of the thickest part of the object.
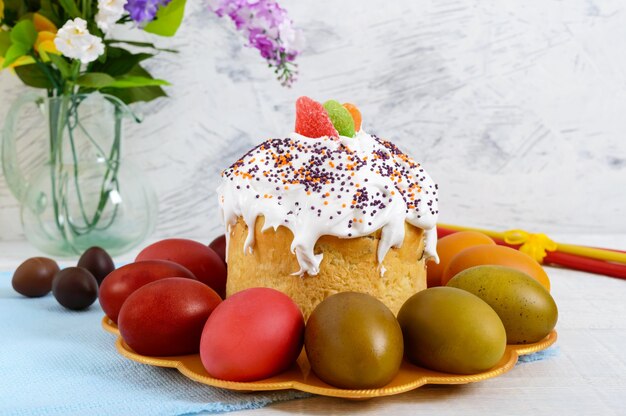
(267, 28)
(144, 11)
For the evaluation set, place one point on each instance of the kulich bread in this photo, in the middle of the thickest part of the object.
(313, 216)
(348, 264)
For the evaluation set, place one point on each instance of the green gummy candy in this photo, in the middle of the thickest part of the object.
(341, 118)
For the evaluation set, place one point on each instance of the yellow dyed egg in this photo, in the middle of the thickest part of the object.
(451, 330)
(525, 307)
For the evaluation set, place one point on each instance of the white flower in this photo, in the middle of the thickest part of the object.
(112, 5)
(290, 38)
(92, 50)
(109, 12)
(74, 41)
(77, 26)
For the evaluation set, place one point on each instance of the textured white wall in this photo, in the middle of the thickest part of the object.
(517, 109)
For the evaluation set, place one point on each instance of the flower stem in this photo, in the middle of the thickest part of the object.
(57, 119)
(65, 122)
(58, 87)
(73, 114)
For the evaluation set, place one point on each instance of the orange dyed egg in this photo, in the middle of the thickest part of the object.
(448, 247)
(495, 255)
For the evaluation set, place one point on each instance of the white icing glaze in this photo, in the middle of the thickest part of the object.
(344, 187)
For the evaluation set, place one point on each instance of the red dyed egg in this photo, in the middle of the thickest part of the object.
(166, 317)
(201, 260)
(252, 335)
(120, 283)
(219, 246)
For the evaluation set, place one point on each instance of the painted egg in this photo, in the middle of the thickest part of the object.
(448, 247)
(166, 317)
(495, 255)
(525, 307)
(122, 282)
(201, 260)
(451, 330)
(252, 335)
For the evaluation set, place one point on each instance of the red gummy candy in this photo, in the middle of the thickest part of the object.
(312, 119)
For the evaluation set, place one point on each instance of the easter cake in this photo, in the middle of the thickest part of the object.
(328, 209)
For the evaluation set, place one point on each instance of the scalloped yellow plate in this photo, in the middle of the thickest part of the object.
(300, 376)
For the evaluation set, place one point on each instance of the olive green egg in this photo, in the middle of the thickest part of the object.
(353, 341)
(451, 330)
(525, 307)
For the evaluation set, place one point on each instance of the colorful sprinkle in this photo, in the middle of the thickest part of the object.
(314, 167)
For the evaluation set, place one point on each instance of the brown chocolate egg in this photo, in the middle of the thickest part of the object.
(98, 262)
(75, 288)
(33, 278)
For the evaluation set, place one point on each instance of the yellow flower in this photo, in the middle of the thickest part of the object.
(44, 36)
(42, 23)
(45, 45)
(24, 60)
(46, 32)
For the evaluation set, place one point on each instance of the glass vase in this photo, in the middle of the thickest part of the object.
(85, 194)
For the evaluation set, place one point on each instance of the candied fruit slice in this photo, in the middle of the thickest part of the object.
(355, 113)
(312, 120)
(341, 118)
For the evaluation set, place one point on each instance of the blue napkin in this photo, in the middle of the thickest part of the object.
(54, 361)
(553, 351)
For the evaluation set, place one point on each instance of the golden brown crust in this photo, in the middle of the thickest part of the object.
(348, 265)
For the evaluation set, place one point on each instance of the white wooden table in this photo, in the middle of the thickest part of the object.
(587, 376)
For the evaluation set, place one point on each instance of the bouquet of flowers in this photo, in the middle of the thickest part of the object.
(67, 48)
(64, 45)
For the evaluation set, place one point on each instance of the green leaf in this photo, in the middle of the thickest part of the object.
(33, 76)
(70, 8)
(130, 81)
(50, 10)
(119, 61)
(61, 64)
(33, 5)
(25, 34)
(13, 11)
(5, 42)
(136, 94)
(140, 44)
(95, 80)
(119, 67)
(168, 19)
(15, 52)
